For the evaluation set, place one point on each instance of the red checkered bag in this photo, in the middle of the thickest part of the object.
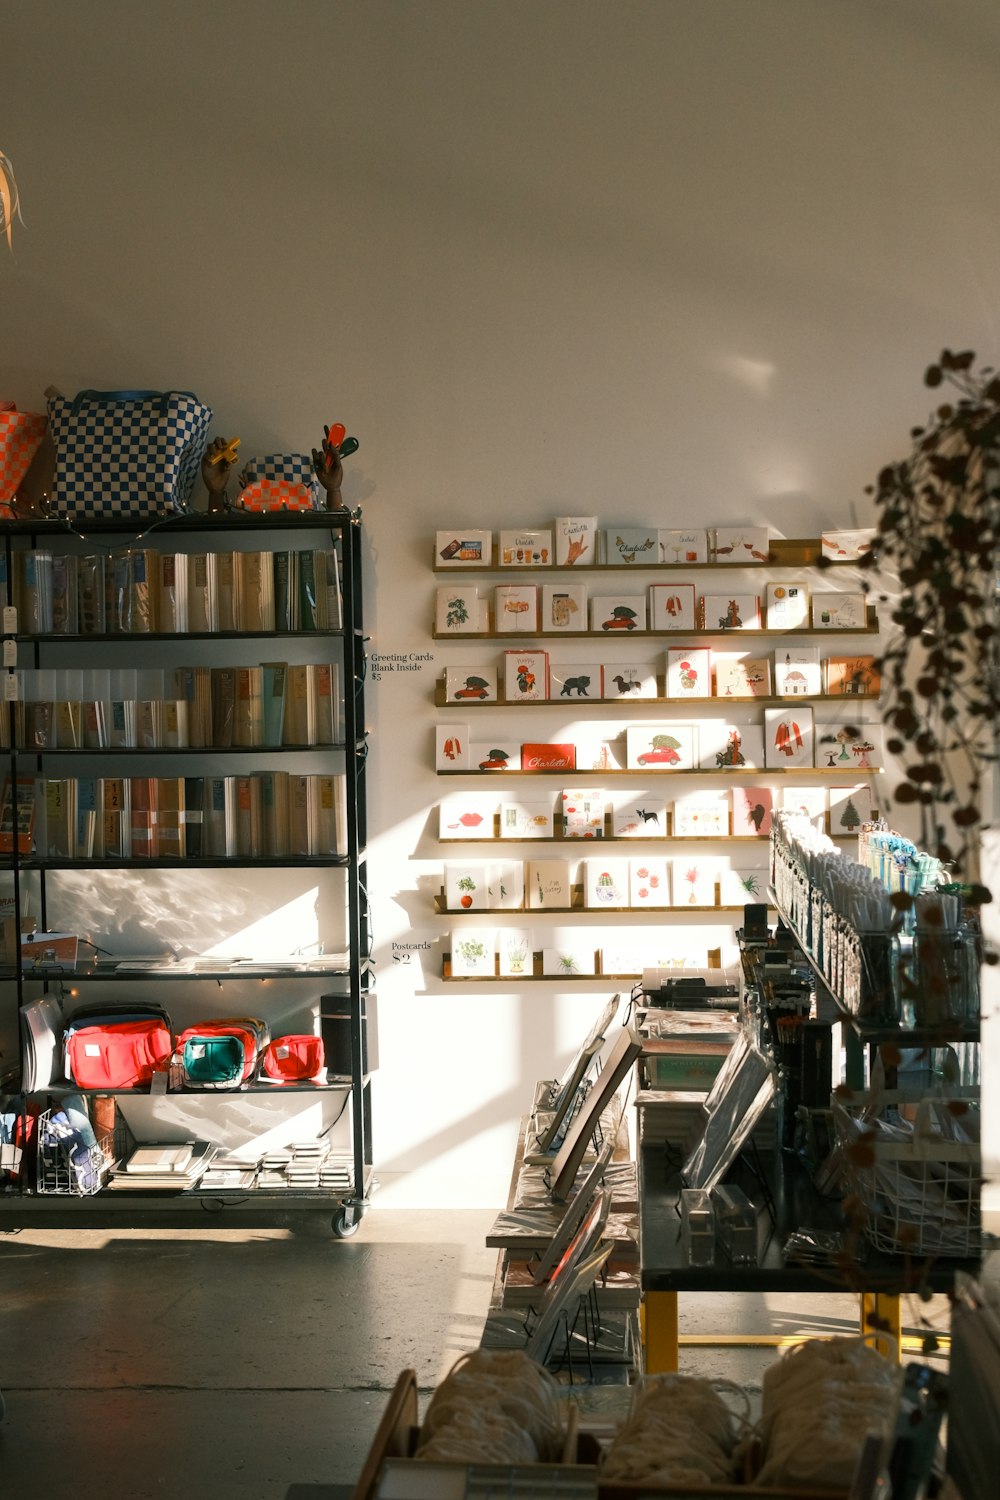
(291, 1058)
(21, 434)
(281, 481)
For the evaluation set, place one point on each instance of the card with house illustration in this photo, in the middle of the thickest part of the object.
(638, 815)
(550, 884)
(473, 952)
(526, 676)
(741, 674)
(618, 613)
(569, 960)
(729, 612)
(605, 884)
(742, 546)
(701, 815)
(467, 815)
(848, 743)
(476, 684)
(466, 885)
(628, 681)
(850, 806)
(575, 541)
(570, 679)
(797, 672)
(853, 677)
(689, 672)
(564, 606)
(463, 548)
(842, 611)
(661, 747)
(515, 951)
(526, 818)
(461, 611)
(629, 546)
(752, 809)
(788, 736)
(724, 746)
(515, 608)
(582, 812)
(808, 800)
(740, 884)
(525, 549)
(693, 879)
(451, 747)
(672, 606)
(787, 606)
(505, 881)
(684, 548)
(649, 881)
(494, 755)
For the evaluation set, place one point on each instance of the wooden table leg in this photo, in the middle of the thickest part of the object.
(660, 1318)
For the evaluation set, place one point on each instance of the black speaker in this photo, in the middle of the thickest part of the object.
(335, 1029)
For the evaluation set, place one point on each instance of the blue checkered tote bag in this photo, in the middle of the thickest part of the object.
(130, 454)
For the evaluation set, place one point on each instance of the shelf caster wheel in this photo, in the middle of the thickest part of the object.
(345, 1223)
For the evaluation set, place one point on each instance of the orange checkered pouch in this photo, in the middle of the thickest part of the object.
(280, 481)
(21, 434)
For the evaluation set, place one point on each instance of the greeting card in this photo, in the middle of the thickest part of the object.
(628, 545)
(740, 884)
(526, 676)
(619, 681)
(752, 807)
(466, 886)
(665, 747)
(740, 545)
(460, 611)
(583, 812)
(549, 884)
(853, 677)
(850, 806)
(505, 879)
(514, 951)
(563, 963)
(689, 672)
(839, 746)
(596, 754)
(788, 736)
(693, 879)
(515, 607)
(522, 818)
(605, 883)
(470, 684)
(618, 612)
(451, 747)
(672, 606)
(473, 952)
(467, 815)
(574, 679)
(683, 547)
(797, 672)
(525, 549)
(494, 755)
(839, 611)
(575, 541)
(787, 606)
(701, 815)
(724, 746)
(637, 815)
(456, 549)
(649, 881)
(729, 612)
(740, 674)
(564, 606)
(848, 546)
(809, 800)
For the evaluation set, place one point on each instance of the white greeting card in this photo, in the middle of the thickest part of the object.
(628, 546)
(845, 744)
(526, 676)
(574, 679)
(575, 541)
(515, 608)
(466, 886)
(522, 818)
(787, 606)
(564, 963)
(729, 611)
(649, 881)
(582, 811)
(797, 672)
(672, 606)
(850, 806)
(467, 815)
(809, 800)
(848, 546)
(700, 815)
(596, 754)
(689, 672)
(618, 613)
(724, 746)
(564, 606)
(464, 548)
(460, 610)
(661, 747)
(741, 674)
(549, 884)
(788, 736)
(638, 815)
(605, 884)
(515, 955)
(752, 809)
(684, 548)
(741, 884)
(494, 755)
(525, 549)
(470, 684)
(693, 879)
(473, 952)
(628, 681)
(505, 879)
(451, 747)
(740, 545)
(839, 611)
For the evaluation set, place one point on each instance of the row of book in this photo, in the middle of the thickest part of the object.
(272, 704)
(265, 814)
(142, 591)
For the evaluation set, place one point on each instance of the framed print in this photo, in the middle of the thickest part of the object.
(463, 549)
(524, 818)
(788, 736)
(526, 676)
(638, 815)
(729, 612)
(574, 680)
(684, 548)
(618, 681)
(605, 883)
(671, 606)
(839, 746)
(752, 809)
(740, 674)
(853, 677)
(515, 952)
(726, 746)
(701, 815)
(797, 672)
(649, 881)
(624, 546)
(451, 747)
(470, 684)
(473, 953)
(850, 806)
(839, 611)
(466, 886)
(618, 612)
(575, 541)
(564, 606)
(742, 546)
(583, 812)
(693, 879)
(525, 549)
(688, 672)
(787, 606)
(663, 747)
(515, 608)
(467, 815)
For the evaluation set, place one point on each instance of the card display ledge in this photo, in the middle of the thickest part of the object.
(680, 637)
(734, 773)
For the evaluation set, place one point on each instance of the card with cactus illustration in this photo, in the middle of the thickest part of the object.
(788, 736)
(473, 952)
(460, 611)
(649, 881)
(466, 886)
(638, 815)
(605, 884)
(689, 672)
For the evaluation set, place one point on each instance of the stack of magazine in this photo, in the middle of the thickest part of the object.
(169, 1166)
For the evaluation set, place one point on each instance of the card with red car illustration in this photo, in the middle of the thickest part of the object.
(661, 747)
(470, 684)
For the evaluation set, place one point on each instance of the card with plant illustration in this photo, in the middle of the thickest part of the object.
(689, 672)
(466, 886)
(515, 951)
(550, 885)
(460, 611)
(741, 884)
(473, 952)
(605, 883)
(565, 962)
(693, 879)
(505, 879)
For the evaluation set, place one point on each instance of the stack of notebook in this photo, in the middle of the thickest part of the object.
(169, 1166)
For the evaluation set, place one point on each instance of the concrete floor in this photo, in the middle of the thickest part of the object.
(156, 1365)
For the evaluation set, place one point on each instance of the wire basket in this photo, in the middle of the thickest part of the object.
(921, 1190)
(65, 1164)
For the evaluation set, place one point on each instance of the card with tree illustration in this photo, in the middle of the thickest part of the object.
(850, 806)
(618, 613)
(788, 736)
(661, 747)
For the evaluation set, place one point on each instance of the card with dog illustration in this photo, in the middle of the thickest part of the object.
(638, 815)
(619, 681)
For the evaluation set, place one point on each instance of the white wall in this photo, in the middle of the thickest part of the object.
(669, 261)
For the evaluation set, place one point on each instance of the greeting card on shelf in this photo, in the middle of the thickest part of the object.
(618, 612)
(797, 672)
(467, 815)
(628, 545)
(739, 674)
(853, 677)
(649, 881)
(596, 754)
(729, 612)
(693, 880)
(850, 806)
(460, 611)
(752, 808)
(787, 606)
(515, 951)
(466, 886)
(494, 755)
(455, 549)
(619, 681)
(583, 812)
(810, 800)
(838, 611)
(473, 953)
(525, 549)
(574, 680)
(515, 608)
(526, 676)
(739, 884)
(575, 541)
(549, 883)
(559, 963)
(689, 672)
(740, 545)
(701, 815)
(848, 546)
(636, 815)
(683, 547)
(620, 958)
(725, 746)
(476, 684)
(788, 736)
(564, 606)
(553, 756)
(839, 746)
(672, 606)
(605, 883)
(667, 747)
(451, 747)
(505, 878)
(522, 818)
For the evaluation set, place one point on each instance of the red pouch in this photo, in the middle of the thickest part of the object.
(291, 1058)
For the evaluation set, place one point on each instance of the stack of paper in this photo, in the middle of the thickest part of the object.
(157, 1167)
